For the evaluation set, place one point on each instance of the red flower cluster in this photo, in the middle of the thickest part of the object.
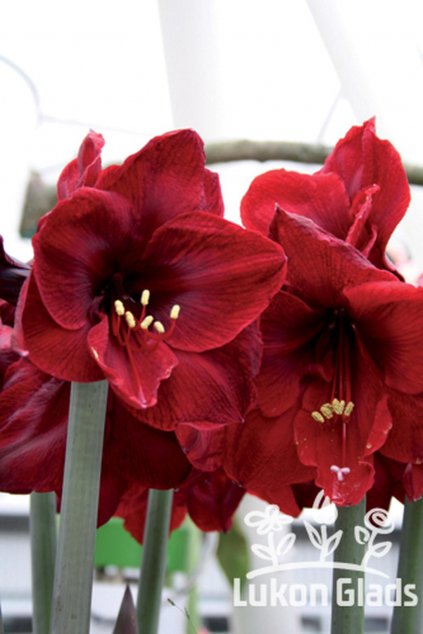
(139, 280)
(341, 376)
(271, 359)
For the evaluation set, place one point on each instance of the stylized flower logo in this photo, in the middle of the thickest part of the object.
(376, 522)
(267, 521)
(324, 510)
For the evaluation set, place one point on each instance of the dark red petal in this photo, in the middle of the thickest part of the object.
(204, 448)
(165, 179)
(212, 500)
(387, 484)
(288, 328)
(389, 318)
(320, 197)
(261, 455)
(405, 440)
(60, 352)
(133, 372)
(78, 249)
(320, 266)
(221, 275)
(362, 159)
(138, 454)
(209, 389)
(33, 420)
(84, 170)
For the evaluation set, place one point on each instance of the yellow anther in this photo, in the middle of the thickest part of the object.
(145, 297)
(317, 417)
(174, 313)
(327, 410)
(348, 408)
(119, 307)
(130, 319)
(338, 406)
(146, 322)
(159, 327)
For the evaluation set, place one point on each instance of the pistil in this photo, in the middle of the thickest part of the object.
(340, 406)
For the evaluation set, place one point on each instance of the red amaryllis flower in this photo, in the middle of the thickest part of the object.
(342, 349)
(137, 275)
(359, 195)
(33, 426)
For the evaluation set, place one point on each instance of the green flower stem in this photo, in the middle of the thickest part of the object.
(410, 568)
(348, 619)
(153, 565)
(75, 553)
(43, 553)
(194, 547)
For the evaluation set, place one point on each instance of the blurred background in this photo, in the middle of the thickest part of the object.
(279, 70)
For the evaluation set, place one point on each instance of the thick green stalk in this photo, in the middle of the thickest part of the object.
(348, 619)
(410, 569)
(194, 546)
(153, 565)
(75, 553)
(43, 553)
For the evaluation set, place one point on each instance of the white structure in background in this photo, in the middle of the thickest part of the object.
(380, 67)
(18, 118)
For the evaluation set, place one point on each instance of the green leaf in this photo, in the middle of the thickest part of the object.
(127, 618)
(232, 554)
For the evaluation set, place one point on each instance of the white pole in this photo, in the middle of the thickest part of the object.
(373, 48)
(191, 55)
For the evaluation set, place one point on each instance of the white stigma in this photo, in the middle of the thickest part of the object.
(340, 471)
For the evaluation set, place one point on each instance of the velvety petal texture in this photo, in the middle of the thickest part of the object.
(84, 170)
(210, 389)
(361, 160)
(219, 294)
(321, 266)
(165, 179)
(359, 195)
(261, 456)
(312, 196)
